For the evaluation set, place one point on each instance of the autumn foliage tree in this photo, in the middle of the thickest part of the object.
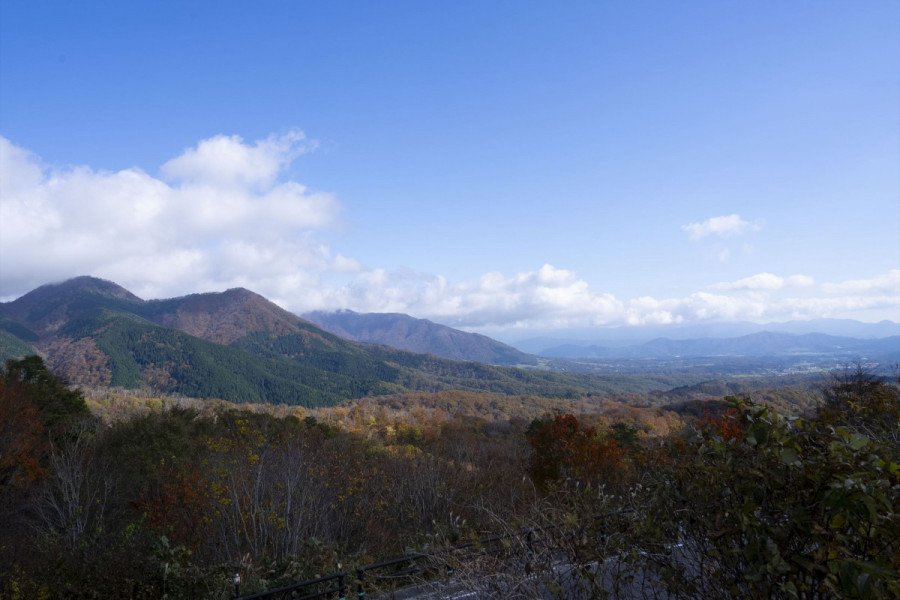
(868, 404)
(757, 505)
(35, 410)
(564, 449)
(726, 424)
(22, 443)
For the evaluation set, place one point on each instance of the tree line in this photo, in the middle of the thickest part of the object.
(737, 501)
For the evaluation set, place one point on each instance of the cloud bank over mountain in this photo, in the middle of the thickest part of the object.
(226, 213)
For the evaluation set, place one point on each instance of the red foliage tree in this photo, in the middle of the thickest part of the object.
(22, 438)
(725, 425)
(563, 449)
(178, 505)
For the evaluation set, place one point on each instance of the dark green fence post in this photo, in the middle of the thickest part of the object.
(342, 584)
(360, 594)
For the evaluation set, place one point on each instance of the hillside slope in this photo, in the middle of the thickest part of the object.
(418, 335)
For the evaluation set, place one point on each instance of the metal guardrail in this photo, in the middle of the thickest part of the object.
(341, 589)
(288, 591)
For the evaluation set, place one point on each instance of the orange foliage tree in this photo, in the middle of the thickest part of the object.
(22, 443)
(725, 425)
(564, 449)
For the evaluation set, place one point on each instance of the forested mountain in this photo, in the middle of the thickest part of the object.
(238, 346)
(216, 317)
(12, 346)
(418, 335)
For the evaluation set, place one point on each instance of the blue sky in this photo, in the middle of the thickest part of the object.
(491, 165)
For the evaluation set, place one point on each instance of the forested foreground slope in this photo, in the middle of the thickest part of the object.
(737, 502)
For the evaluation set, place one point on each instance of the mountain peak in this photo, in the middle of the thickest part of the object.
(46, 308)
(240, 292)
(223, 317)
(86, 284)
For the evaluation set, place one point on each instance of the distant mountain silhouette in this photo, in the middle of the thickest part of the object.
(609, 337)
(764, 343)
(418, 335)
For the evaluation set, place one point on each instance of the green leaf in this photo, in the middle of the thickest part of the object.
(857, 441)
(789, 456)
(837, 521)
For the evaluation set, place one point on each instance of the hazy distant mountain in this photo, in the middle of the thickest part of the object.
(418, 335)
(238, 346)
(764, 343)
(629, 336)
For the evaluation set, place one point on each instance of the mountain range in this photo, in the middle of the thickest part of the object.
(542, 343)
(764, 343)
(238, 346)
(419, 335)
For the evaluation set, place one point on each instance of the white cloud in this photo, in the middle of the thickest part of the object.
(799, 281)
(226, 161)
(225, 216)
(721, 226)
(764, 281)
(547, 295)
(555, 298)
(342, 264)
(886, 282)
(222, 217)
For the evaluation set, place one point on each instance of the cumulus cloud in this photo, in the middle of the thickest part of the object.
(225, 161)
(223, 214)
(757, 306)
(885, 283)
(765, 281)
(547, 295)
(727, 226)
(556, 298)
(219, 216)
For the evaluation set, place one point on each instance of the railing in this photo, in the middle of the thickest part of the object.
(288, 591)
(484, 546)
